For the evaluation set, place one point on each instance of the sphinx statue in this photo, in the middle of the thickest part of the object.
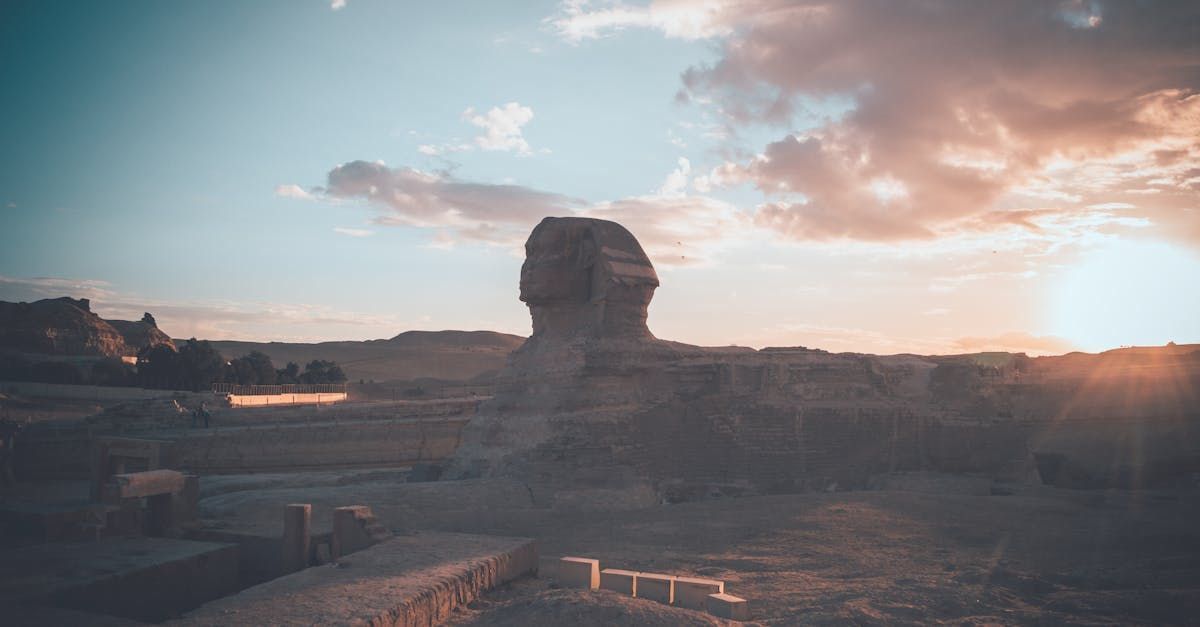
(588, 285)
(586, 277)
(593, 408)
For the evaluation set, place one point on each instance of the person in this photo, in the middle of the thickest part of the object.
(201, 412)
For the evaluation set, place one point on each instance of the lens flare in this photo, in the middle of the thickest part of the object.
(1126, 293)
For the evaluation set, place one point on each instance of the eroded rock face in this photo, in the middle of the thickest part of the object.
(58, 326)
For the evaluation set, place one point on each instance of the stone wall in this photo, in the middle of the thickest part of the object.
(259, 439)
(325, 445)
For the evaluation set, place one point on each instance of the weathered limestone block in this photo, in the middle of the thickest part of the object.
(691, 592)
(727, 606)
(579, 572)
(297, 528)
(617, 580)
(354, 529)
(142, 484)
(656, 587)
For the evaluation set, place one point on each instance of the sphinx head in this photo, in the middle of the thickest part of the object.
(586, 276)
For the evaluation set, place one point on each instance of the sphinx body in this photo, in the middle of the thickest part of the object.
(593, 404)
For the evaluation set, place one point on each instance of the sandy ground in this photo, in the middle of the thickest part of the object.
(875, 557)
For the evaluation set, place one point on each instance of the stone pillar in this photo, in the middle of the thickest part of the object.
(354, 529)
(297, 525)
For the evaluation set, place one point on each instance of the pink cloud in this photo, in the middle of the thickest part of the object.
(968, 108)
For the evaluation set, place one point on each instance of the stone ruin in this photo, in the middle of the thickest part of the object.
(593, 405)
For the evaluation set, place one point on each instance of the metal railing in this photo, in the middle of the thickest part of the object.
(287, 388)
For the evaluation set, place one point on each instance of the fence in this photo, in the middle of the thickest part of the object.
(273, 390)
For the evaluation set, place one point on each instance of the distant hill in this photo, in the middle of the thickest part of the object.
(448, 355)
(67, 326)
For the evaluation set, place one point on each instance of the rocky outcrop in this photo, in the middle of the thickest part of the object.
(140, 334)
(592, 401)
(67, 326)
(58, 326)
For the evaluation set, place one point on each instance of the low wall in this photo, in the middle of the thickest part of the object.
(321, 445)
(263, 400)
(82, 392)
(417, 579)
(257, 438)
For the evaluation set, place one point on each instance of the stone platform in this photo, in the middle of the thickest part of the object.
(415, 579)
(147, 579)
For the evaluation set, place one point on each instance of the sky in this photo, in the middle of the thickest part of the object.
(927, 177)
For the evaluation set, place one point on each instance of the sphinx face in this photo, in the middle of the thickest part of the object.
(558, 265)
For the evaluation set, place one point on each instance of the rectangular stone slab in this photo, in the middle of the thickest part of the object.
(656, 587)
(691, 592)
(415, 579)
(617, 580)
(579, 572)
(136, 485)
(728, 606)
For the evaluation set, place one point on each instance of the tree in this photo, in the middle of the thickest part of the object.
(112, 372)
(321, 371)
(196, 366)
(200, 365)
(149, 319)
(253, 369)
(288, 374)
(158, 367)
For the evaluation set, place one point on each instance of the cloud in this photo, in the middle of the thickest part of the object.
(836, 339)
(1016, 342)
(17, 289)
(947, 118)
(502, 127)
(292, 191)
(476, 211)
(353, 232)
(337, 5)
(578, 20)
(502, 131)
(675, 230)
(677, 181)
(674, 227)
(213, 319)
(849, 339)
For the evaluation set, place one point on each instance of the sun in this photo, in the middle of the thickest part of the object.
(1128, 292)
